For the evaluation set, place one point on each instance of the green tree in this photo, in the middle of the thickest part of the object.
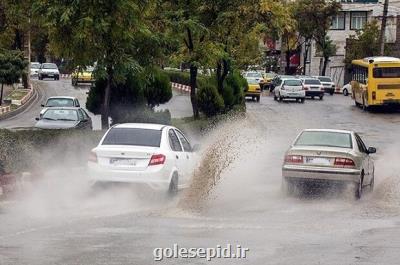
(138, 93)
(12, 66)
(364, 44)
(327, 49)
(111, 33)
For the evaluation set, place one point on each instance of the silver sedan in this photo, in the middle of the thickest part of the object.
(319, 155)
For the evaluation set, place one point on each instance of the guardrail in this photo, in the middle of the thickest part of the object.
(5, 109)
(181, 87)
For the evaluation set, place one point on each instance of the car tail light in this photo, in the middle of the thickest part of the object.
(294, 159)
(373, 95)
(157, 159)
(92, 157)
(344, 162)
(283, 88)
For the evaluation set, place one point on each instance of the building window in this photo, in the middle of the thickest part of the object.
(338, 21)
(358, 20)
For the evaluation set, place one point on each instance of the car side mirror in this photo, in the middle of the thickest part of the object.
(196, 148)
(371, 150)
(37, 119)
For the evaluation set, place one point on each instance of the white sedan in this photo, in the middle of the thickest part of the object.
(346, 90)
(156, 155)
(329, 156)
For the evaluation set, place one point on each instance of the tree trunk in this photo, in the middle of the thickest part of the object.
(287, 69)
(1, 94)
(222, 72)
(306, 49)
(105, 112)
(193, 83)
(326, 59)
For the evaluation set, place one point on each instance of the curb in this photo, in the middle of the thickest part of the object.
(182, 88)
(28, 102)
(65, 76)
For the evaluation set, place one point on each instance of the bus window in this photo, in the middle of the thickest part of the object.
(386, 72)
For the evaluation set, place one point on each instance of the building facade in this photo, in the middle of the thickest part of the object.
(353, 16)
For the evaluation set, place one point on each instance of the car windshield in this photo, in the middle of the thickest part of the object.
(49, 66)
(60, 102)
(312, 82)
(61, 114)
(322, 138)
(292, 82)
(253, 74)
(35, 65)
(133, 136)
(252, 81)
(325, 79)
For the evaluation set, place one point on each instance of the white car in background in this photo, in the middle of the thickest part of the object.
(60, 102)
(155, 155)
(289, 88)
(35, 66)
(254, 75)
(346, 90)
(329, 85)
(48, 70)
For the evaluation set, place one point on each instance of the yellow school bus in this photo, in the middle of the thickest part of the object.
(376, 81)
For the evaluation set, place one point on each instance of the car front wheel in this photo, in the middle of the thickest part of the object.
(173, 185)
(345, 92)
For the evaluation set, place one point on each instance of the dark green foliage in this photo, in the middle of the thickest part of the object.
(210, 101)
(158, 89)
(134, 98)
(29, 150)
(12, 65)
(234, 85)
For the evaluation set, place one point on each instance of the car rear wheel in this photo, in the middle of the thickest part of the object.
(312, 97)
(275, 97)
(258, 98)
(173, 185)
(288, 187)
(321, 97)
(280, 97)
(331, 92)
(359, 189)
(345, 92)
(302, 100)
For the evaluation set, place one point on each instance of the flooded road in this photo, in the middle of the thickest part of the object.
(60, 222)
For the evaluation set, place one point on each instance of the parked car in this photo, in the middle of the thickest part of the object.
(35, 66)
(313, 87)
(254, 89)
(289, 88)
(48, 70)
(64, 118)
(155, 155)
(329, 85)
(346, 90)
(333, 156)
(82, 76)
(60, 101)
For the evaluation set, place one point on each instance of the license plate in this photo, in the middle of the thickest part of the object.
(122, 162)
(314, 88)
(50, 75)
(318, 161)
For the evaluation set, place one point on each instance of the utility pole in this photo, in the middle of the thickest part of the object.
(29, 54)
(383, 28)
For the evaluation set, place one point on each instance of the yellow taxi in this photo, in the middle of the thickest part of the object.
(81, 75)
(268, 77)
(253, 89)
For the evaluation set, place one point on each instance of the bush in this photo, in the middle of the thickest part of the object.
(139, 92)
(35, 149)
(234, 86)
(183, 78)
(141, 115)
(158, 90)
(209, 100)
